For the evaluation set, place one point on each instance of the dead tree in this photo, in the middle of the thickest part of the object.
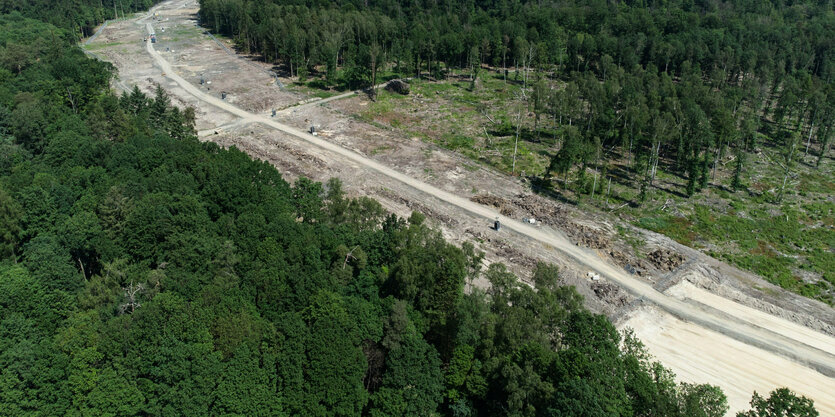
(131, 293)
(349, 255)
(523, 99)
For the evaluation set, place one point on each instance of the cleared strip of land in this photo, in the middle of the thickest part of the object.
(687, 291)
(699, 355)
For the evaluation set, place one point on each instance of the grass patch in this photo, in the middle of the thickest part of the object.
(636, 242)
(677, 228)
(306, 90)
(99, 46)
(379, 149)
(456, 141)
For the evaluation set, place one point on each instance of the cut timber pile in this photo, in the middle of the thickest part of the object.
(545, 213)
(610, 293)
(588, 237)
(631, 264)
(665, 260)
(494, 201)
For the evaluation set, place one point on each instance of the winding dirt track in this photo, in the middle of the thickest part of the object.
(748, 333)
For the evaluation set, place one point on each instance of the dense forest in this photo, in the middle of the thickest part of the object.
(80, 17)
(143, 272)
(673, 85)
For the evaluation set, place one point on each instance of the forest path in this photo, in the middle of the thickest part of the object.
(318, 102)
(748, 333)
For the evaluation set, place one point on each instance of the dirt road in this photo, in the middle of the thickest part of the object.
(740, 330)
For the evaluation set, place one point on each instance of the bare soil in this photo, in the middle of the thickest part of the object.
(739, 369)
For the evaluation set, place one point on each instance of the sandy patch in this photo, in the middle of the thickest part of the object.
(687, 291)
(698, 355)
